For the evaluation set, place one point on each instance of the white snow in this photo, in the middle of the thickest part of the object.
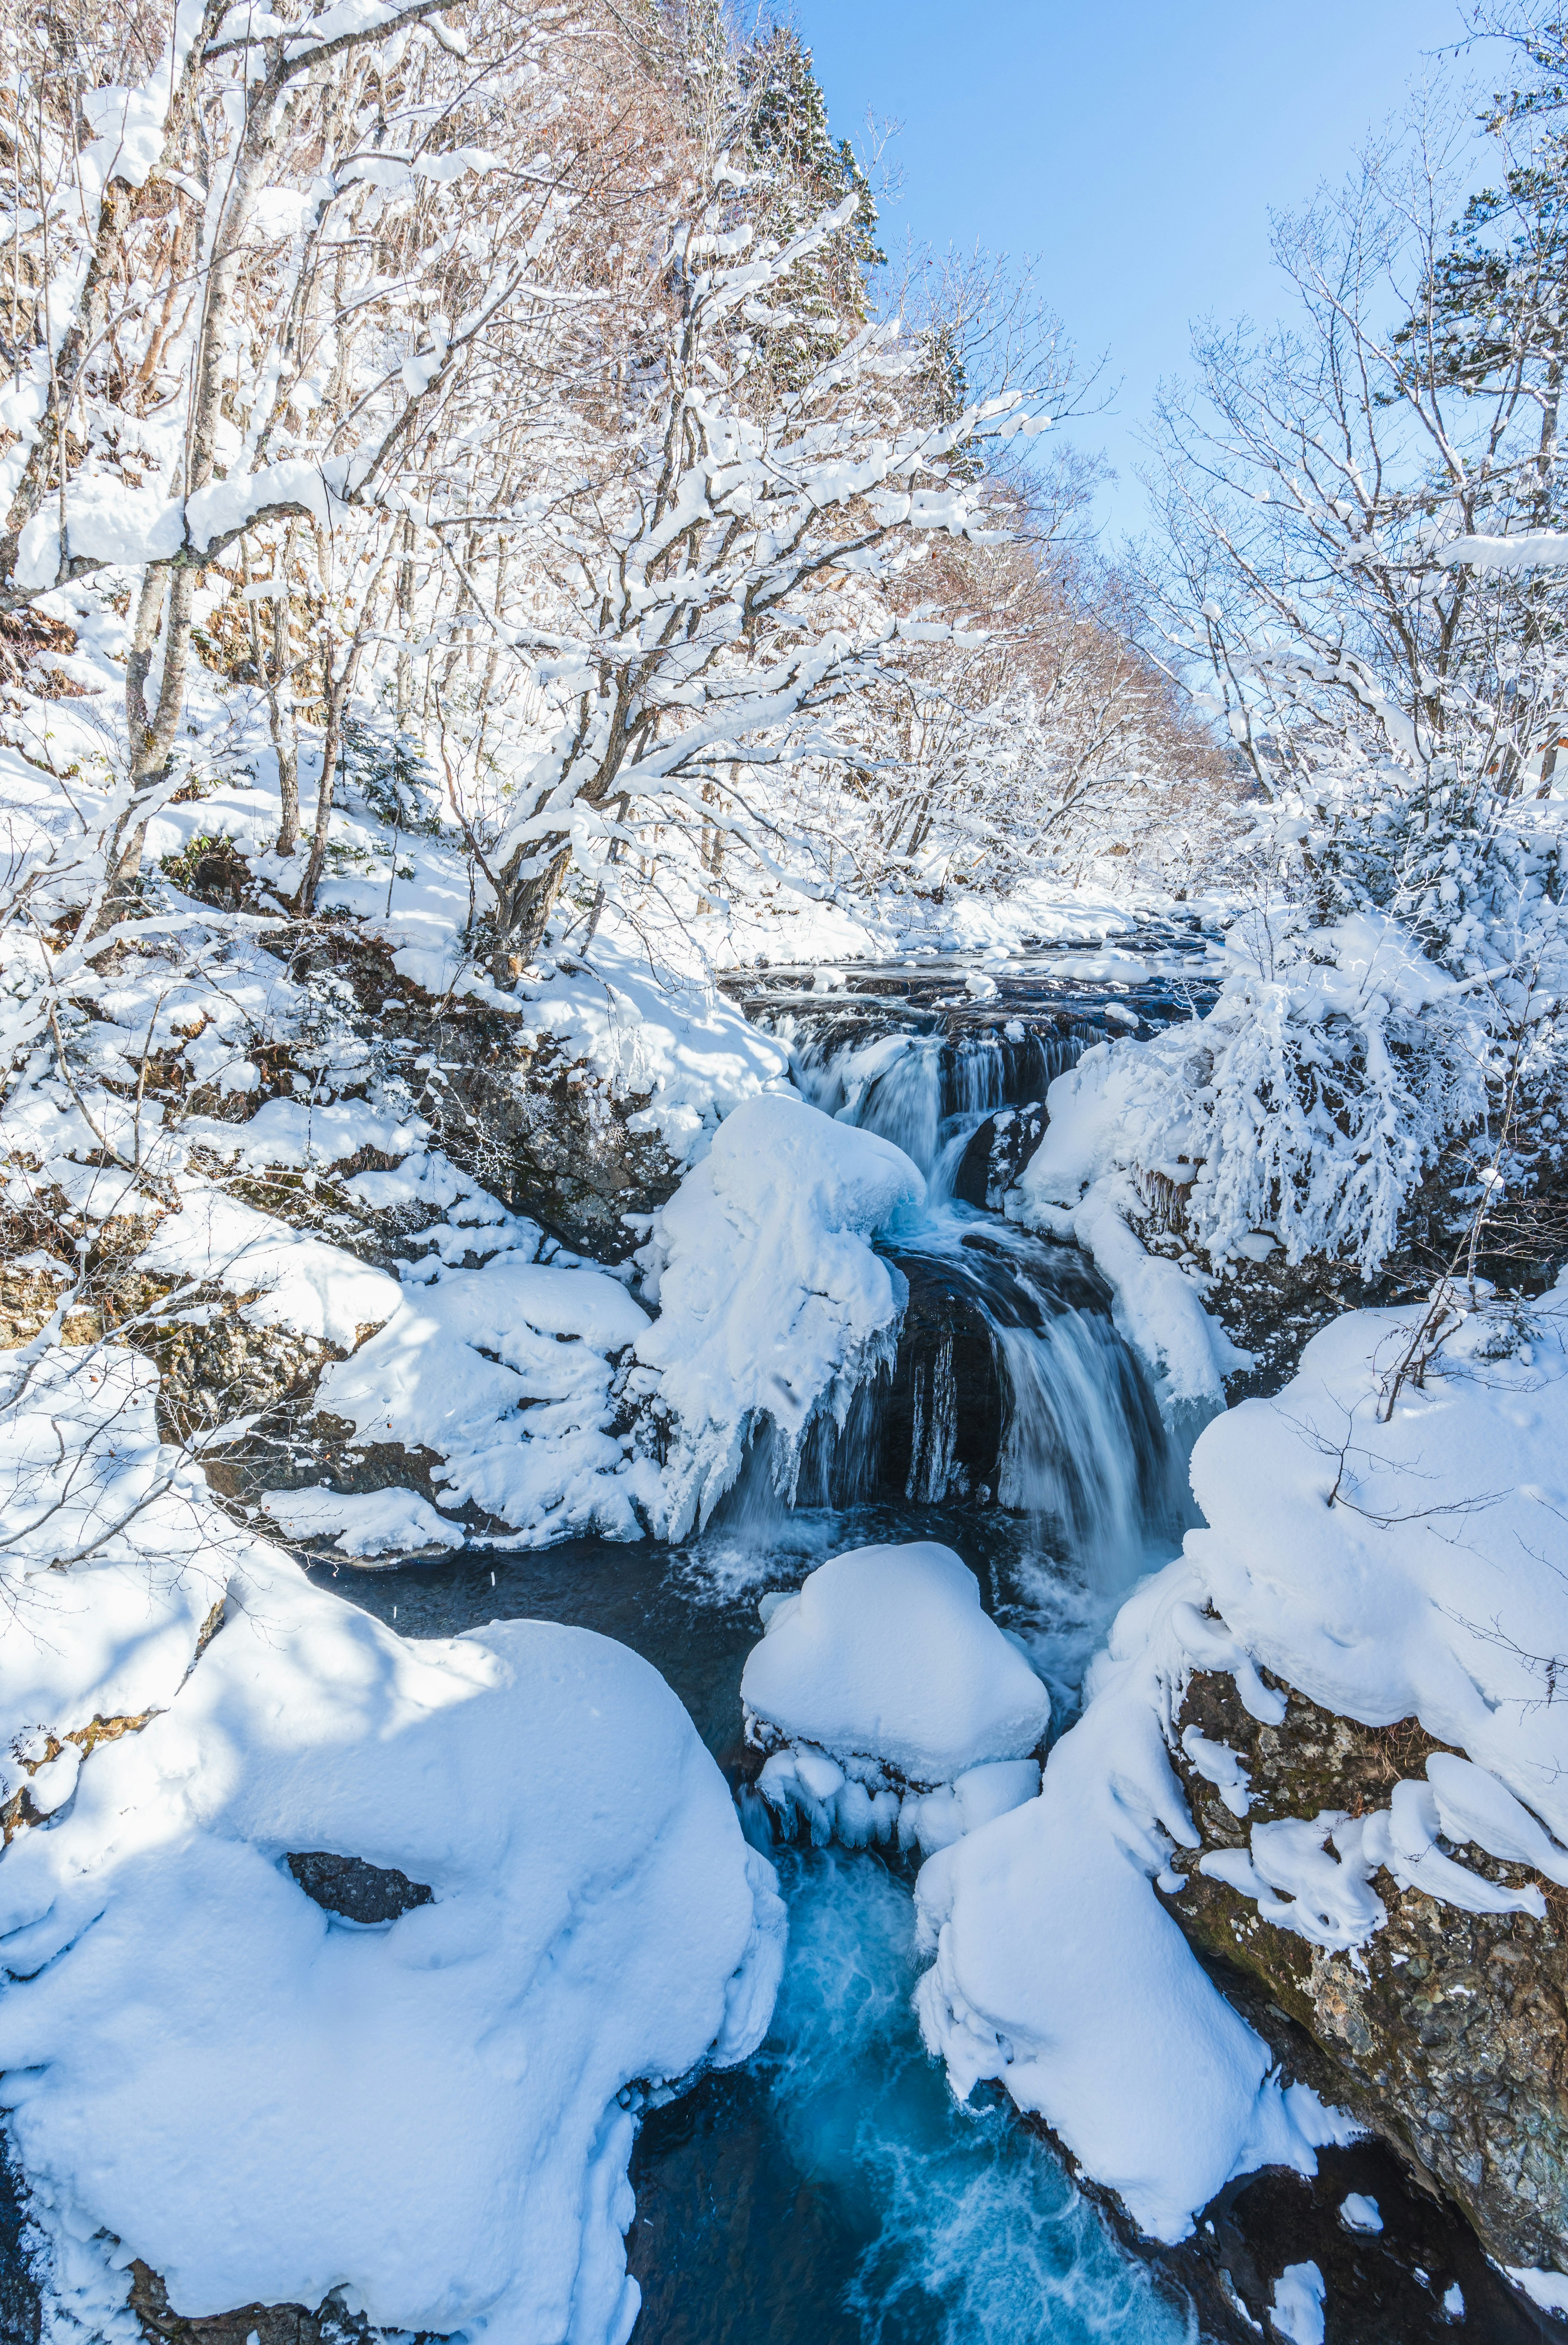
(1549, 2289)
(305, 1283)
(505, 1373)
(1079, 1184)
(1297, 2309)
(1057, 1972)
(377, 1523)
(1538, 549)
(773, 1304)
(1386, 1570)
(886, 1652)
(890, 1704)
(1359, 2213)
(207, 2069)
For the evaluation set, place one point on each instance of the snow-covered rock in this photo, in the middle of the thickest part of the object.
(368, 1524)
(504, 1372)
(1079, 1184)
(433, 2116)
(891, 1703)
(1385, 1549)
(773, 1304)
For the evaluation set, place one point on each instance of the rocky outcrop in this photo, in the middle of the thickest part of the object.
(544, 1134)
(1447, 2032)
(330, 2324)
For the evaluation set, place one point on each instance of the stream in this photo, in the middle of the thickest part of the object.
(831, 2191)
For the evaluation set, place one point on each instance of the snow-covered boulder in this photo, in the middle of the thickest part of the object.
(773, 1303)
(266, 2103)
(506, 1375)
(891, 1702)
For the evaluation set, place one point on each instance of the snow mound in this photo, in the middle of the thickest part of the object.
(1058, 1972)
(433, 2115)
(902, 1707)
(773, 1304)
(379, 1522)
(885, 1650)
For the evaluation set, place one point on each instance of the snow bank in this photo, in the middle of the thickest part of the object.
(1058, 1972)
(1413, 1567)
(506, 1374)
(304, 1282)
(773, 1304)
(900, 1706)
(1385, 1570)
(207, 2070)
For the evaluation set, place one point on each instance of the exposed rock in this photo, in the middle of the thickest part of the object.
(996, 1154)
(268, 2324)
(1448, 2031)
(21, 2301)
(358, 1892)
(20, 1810)
(542, 1132)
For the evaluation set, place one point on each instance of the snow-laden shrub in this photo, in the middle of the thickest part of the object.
(1338, 1064)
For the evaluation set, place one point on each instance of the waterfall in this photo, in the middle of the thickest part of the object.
(928, 1092)
(1012, 1386)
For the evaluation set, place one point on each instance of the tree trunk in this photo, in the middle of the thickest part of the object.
(285, 736)
(151, 743)
(337, 699)
(405, 616)
(273, 669)
(519, 924)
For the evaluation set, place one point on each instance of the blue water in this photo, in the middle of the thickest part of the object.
(964, 2224)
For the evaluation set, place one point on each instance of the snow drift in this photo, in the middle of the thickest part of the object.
(266, 2102)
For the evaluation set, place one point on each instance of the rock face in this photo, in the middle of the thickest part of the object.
(347, 1885)
(541, 1131)
(1446, 2031)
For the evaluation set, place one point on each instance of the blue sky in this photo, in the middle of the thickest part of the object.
(1135, 146)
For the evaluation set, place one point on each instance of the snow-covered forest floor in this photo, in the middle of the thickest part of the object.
(616, 941)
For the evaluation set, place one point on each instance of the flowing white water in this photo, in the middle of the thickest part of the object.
(1007, 1332)
(927, 1092)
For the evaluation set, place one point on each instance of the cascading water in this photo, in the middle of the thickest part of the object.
(927, 1092)
(1012, 1386)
